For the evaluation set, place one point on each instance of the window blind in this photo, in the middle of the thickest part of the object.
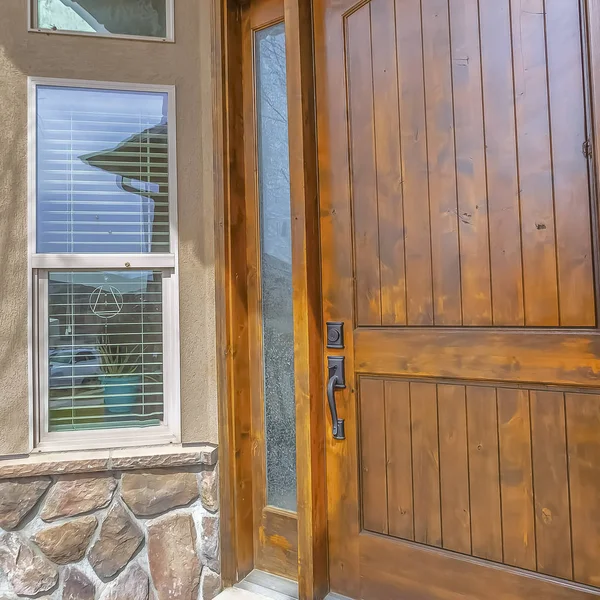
(105, 349)
(102, 171)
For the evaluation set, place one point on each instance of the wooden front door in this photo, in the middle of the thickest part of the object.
(458, 231)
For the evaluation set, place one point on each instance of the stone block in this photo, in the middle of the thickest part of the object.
(77, 586)
(209, 489)
(150, 494)
(17, 499)
(132, 584)
(120, 536)
(68, 542)
(174, 563)
(77, 495)
(29, 573)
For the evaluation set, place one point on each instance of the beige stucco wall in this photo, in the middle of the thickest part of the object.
(187, 64)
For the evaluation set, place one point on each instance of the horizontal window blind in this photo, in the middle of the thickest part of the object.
(102, 171)
(105, 349)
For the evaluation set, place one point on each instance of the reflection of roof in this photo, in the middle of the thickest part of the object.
(147, 150)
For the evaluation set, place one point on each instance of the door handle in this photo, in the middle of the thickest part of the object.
(336, 381)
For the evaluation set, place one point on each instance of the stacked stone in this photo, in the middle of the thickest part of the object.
(144, 535)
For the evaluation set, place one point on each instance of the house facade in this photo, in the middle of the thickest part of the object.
(299, 298)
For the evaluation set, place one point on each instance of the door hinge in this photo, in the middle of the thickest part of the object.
(587, 149)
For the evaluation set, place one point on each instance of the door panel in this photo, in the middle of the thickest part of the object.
(489, 475)
(476, 229)
(458, 235)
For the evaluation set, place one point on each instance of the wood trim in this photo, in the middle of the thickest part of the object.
(512, 355)
(308, 323)
(275, 537)
(394, 568)
(231, 298)
(592, 22)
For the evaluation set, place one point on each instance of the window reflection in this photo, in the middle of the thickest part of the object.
(102, 171)
(118, 17)
(105, 349)
(276, 267)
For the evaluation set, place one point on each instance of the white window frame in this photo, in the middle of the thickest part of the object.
(41, 439)
(33, 26)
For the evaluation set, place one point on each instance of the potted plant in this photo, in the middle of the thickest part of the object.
(120, 377)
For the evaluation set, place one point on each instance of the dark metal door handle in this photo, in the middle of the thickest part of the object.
(336, 381)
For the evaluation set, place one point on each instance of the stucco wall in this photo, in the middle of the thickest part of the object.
(186, 64)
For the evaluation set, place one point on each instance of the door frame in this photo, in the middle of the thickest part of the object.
(231, 264)
(233, 370)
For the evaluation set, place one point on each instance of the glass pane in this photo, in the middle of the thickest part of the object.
(120, 17)
(105, 349)
(276, 266)
(102, 171)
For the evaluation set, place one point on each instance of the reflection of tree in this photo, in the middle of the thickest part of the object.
(276, 268)
(125, 17)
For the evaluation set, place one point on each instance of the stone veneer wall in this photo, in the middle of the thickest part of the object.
(141, 534)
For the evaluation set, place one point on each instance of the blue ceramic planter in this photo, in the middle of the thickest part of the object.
(121, 392)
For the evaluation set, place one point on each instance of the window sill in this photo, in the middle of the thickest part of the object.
(111, 36)
(94, 461)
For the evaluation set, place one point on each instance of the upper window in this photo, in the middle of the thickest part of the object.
(103, 257)
(151, 19)
(103, 171)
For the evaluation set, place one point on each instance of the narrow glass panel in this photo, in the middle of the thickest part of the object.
(105, 349)
(102, 171)
(276, 267)
(118, 17)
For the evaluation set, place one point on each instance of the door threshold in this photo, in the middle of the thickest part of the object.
(260, 586)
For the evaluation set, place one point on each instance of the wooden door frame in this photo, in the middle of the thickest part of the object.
(231, 292)
(233, 364)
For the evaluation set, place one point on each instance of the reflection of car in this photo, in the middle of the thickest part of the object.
(73, 366)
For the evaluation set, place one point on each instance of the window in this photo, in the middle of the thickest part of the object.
(103, 242)
(151, 19)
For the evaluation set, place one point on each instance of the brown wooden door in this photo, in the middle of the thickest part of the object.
(458, 232)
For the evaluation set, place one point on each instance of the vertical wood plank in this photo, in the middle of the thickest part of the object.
(414, 164)
(399, 460)
(486, 519)
(470, 163)
(441, 157)
(535, 163)
(454, 469)
(551, 485)
(426, 463)
(516, 478)
(313, 580)
(373, 455)
(503, 187)
(571, 184)
(583, 434)
(389, 163)
(363, 168)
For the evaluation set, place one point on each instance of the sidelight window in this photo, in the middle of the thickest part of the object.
(150, 19)
(103, 264)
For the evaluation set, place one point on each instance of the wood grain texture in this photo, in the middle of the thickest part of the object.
(426, 464)
(454, 469)
(548, 357)
(235, 452)
(494, 473)
(583, 425)
(308, 326)
(396, 569)
(373, 455)
(486, 519)
(461, 188)
(363, 167)
(471, 189)
(516, 478)
(275, 532)
(551, 484)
